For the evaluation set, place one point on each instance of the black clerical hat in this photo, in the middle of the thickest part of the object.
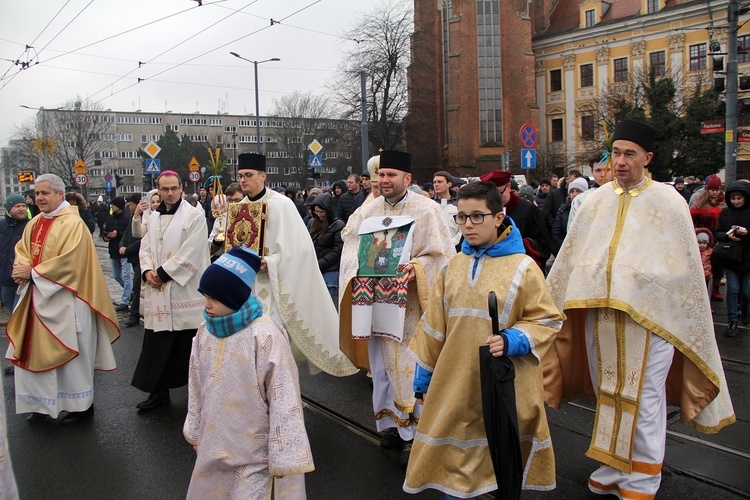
(251, 161)
(397, 160)
(637, 132)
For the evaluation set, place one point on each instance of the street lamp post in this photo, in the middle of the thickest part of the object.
(257, 106)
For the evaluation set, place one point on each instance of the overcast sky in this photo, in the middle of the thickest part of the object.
(185, 49)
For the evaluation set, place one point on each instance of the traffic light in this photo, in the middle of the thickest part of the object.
(718, 63)
(719, 84)
(745, 83)
(118, 180)
(721, 109)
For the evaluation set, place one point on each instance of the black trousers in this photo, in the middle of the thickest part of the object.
(165, 360)
(135, 298)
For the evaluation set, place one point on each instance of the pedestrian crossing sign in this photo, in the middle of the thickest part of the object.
(316, 161)
(153, 166)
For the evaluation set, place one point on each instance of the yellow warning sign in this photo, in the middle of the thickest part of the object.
(194, 165)
(80, 167)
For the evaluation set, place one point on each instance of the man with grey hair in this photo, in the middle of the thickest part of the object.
(64, 323)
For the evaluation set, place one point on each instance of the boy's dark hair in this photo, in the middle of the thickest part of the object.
(486, 191)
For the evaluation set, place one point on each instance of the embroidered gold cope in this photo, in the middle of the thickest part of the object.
(631, 254)
(42, 329)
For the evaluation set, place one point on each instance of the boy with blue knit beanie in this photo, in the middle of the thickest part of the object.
(245, 416)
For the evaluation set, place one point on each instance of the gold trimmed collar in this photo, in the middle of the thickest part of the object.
(635, 190)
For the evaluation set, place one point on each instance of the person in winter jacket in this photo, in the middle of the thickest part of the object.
(114, 229)
(325, 230)
(11, 230)
(734, 222)
(706, 246)
(84, 211)
(560, 226)
(545, 185)
(352, 199)
(100, 211)
(337, 189)
(705, 210)
(130, 248)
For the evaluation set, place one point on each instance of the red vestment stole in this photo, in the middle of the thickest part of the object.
(38, 238)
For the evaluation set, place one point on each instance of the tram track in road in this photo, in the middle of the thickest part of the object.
(354, 427)
(340, 420)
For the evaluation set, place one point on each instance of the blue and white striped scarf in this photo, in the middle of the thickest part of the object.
(225, 326)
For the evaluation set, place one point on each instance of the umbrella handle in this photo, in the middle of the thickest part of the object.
(492, 307)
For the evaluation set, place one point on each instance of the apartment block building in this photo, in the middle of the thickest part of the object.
(121, 135)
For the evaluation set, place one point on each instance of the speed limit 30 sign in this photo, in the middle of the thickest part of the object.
(194, 176)
(81, 179)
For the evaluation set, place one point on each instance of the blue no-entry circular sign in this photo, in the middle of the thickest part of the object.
(528, 136)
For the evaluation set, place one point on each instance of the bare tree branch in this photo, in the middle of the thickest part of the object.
(382, 51)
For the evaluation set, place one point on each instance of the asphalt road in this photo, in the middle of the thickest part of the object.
(122, 453)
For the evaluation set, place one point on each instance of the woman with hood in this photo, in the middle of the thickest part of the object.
(705, 210)
(325, 231)
(734, 222)
(560, 227)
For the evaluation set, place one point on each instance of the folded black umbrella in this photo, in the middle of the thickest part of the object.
(500, 416)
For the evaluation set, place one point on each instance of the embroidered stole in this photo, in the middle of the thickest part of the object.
(622, 350)
(379, 291)
(38, 238)
(165, 235)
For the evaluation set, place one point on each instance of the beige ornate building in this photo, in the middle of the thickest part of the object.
(591, 50)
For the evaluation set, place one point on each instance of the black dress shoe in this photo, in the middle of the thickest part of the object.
(36, 417)
(76, 416)
(154, 400)
(122, 307)
(132, 322)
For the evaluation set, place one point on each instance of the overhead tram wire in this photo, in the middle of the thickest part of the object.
(53, 39)
(209, 51)
(287, 25)
(64, 28)
(197, 33)
(65, 53)
(36, 38)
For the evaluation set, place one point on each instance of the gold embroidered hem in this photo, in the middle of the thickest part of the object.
(401, 422)
(622, 350)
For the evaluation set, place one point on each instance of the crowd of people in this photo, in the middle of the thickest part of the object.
(608, 273)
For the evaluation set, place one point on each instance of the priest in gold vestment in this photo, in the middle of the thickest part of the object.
(64, 323)
(630, 281)
(387, 355)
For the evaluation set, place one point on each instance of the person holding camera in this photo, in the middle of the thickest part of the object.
(733, 223)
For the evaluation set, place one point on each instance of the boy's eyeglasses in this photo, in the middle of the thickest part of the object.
(245, 176)
(460, 219)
